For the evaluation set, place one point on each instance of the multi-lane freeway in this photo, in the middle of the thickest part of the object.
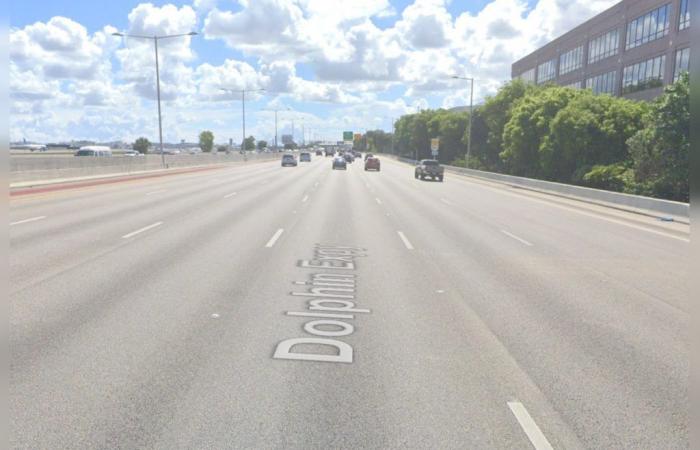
(265, 307)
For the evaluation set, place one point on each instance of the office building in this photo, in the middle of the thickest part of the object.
(632, 49)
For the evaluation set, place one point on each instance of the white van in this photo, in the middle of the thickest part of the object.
(94, 150)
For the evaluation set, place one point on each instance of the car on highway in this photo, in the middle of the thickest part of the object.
(132, 153)
(372, 164)
(305, 157)
(340, 163)
(429, 168)
(368, 155)
(319, 153)
(349, 157)
(289, 160)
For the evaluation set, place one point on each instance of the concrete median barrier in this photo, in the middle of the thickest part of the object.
(29, 171)
(634, 203)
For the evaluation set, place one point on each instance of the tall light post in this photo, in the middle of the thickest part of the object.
(276, 110)
(242, 92)
(471, 114)
(155, 40)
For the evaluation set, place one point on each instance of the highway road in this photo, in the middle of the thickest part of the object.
(266, 307)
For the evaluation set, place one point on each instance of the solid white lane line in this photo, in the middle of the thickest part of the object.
(303, 200)
(533, 432)
(579, 211)
(141, 230)
(405, 240)
(230, 195)
(378, 201)
(155, 192)
(274, 238)
(33, 219)
(445, 201)
(517, 238)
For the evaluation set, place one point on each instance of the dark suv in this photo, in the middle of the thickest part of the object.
(430, 168)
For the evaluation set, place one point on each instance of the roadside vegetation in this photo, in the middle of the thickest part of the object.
(560, 134)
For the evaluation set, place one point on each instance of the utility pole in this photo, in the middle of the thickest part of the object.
(242, 92)
(155, 40)
(471, 114)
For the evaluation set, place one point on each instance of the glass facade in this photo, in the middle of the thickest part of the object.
(571, 60)
(547, 71)
(605, 83)
(575, 85)
(649, 27)
(528, 76)
(685, 15)
(682, 63)
(644, 75)
(604, 46)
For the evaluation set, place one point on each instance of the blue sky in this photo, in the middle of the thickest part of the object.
(338, 64)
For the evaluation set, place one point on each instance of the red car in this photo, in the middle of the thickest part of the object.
(372, 164)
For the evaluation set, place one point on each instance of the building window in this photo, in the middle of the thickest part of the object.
(651, 26)
(547, 71)
(604, 46)
(682, 63)
(575, 85)
(644, 75)
(685, 15)
(571, 60)
(528, 76)
(603, 84)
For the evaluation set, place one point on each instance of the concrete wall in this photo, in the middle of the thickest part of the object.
(46, 168)
(634, 203)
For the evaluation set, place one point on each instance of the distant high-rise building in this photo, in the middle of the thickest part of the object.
(287, 139)
(632, 49)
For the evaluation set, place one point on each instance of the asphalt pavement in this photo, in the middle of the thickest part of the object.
(265, 307)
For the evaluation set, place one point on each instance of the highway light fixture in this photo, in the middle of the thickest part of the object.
(242, 92)
(276, 110)
(155, 40)
(471, 113)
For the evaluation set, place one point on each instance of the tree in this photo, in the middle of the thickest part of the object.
(262, 145)
(290, 146)
(221, 148)
(591, 130)
(206, 141)
(490, 120)
(528, 126)
(249, 143)
(660, 150)
(142, 145)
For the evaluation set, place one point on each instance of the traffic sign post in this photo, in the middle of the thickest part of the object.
(435, 146)
(347, 136)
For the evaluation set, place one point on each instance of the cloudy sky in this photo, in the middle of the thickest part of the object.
(331, 64)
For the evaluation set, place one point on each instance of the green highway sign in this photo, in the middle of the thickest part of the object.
(347, 135)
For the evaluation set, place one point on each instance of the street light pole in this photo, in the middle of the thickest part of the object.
(160, 120)
(242, 91)
(471, 115)
(155, 40)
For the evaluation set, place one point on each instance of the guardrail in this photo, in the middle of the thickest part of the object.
(634, 203)
(47, 168)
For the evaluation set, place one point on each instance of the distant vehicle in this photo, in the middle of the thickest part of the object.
(289, 160)
(30, 147)
(132, 153)
(194, 151)
(368, 155)
(340, 163)
(430, 168)
(319, 153)
(305, 157)
(94, 150)
(330, 152)
(348, 157)
(372, 164)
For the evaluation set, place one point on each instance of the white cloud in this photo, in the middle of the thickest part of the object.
(323, 52)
